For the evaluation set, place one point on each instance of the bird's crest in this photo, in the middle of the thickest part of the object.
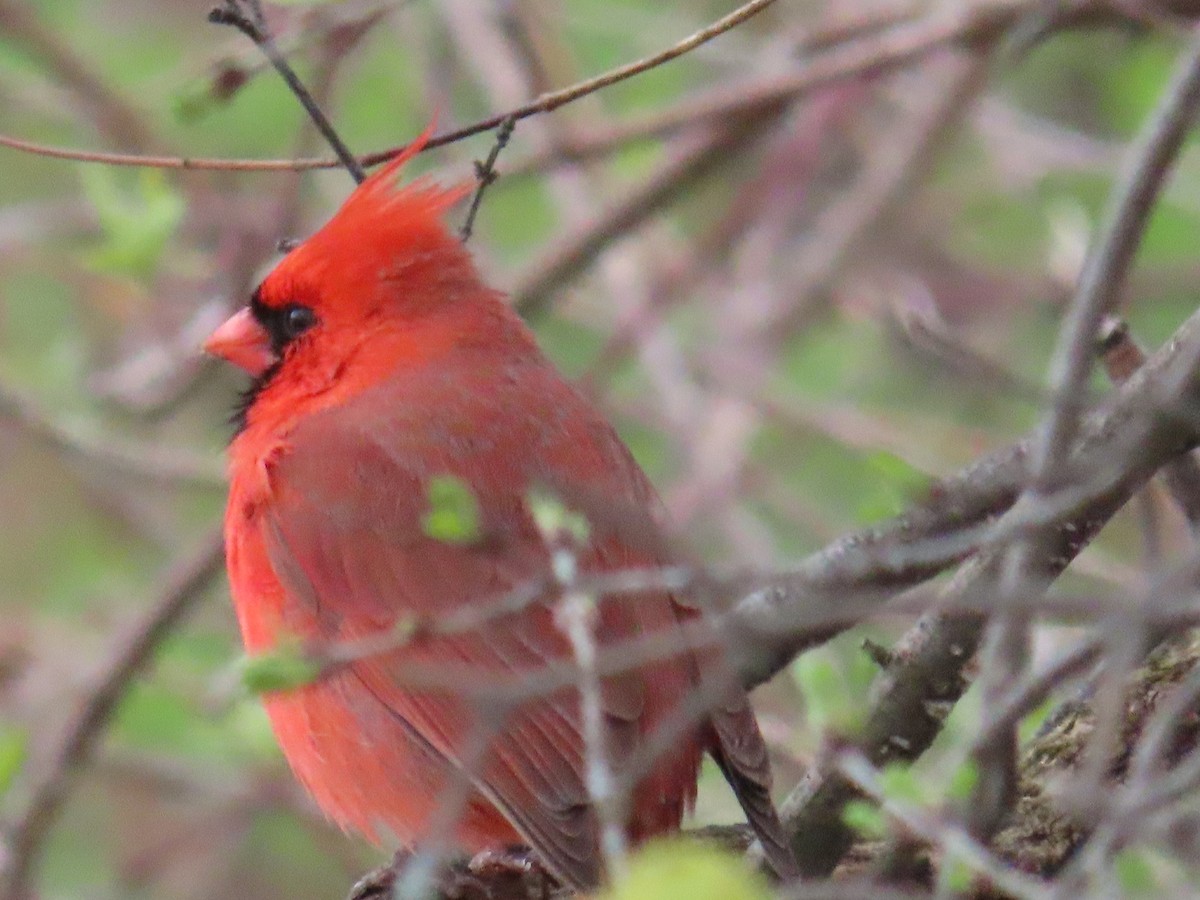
(380, 202)
(378, 226)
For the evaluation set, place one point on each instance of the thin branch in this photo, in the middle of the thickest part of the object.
(574, 252)
(890, 175)
(184, 584)
(485, 174)
(954, 843)
(857, 55)
(576, 617)
(1147, 163)
(254, 26)
(547, 102)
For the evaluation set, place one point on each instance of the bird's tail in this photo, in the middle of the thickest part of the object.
(741, 753)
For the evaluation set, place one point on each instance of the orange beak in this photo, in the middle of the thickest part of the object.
(243, 342)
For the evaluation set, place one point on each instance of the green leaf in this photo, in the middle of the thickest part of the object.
(282, 669)
(818, 678)
(14, 747)
(963, 781)
(956, 875)
(894, 485)
(247, 727)
(136, 222)
(1135, 873)
(900, 783)
(453, 515)
(865, 818)
(677, 868)
(1034, 722)
(836, 682)
(554, 518)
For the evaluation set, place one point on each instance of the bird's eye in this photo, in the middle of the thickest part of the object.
(297, 320)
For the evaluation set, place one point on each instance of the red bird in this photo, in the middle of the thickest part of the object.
(381, 361)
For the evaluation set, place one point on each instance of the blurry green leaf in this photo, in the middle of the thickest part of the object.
(676, 868)
(836, 682)
(866, 819)
(1135, 873)
(453, 515)
(192, 101)
(248, 726)
(963, 781)
(200, 96)
(135, 223)
(955, 875)
(1033, 723)
(895, 484)
(818, 678)
(152, 715)
(14, 745)
(553, 518)
(1136, 82)
(900, 783)
(284, 668)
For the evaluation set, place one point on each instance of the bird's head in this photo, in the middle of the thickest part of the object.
(386, 256)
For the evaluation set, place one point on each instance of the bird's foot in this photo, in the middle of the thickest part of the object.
(378, 883)
(507, 873)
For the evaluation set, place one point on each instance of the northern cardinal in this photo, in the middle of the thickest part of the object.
(382, 361)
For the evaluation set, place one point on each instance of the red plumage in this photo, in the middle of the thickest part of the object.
(382, 361)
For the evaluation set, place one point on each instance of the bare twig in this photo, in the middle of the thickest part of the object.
(547, 102)
(485, 174)
(854, 55)
(254, 26)
(573, 253)
(955, 843)
(1147, 164)
(890, 174)
(420, 871)
(184, 583)
(576, 616)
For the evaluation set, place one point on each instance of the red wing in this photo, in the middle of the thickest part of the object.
(343, 533)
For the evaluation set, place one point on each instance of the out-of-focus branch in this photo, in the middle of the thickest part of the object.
(547, 102)
(251, 22)
(184, 583)
(575, 251)
(1121, 357)
(929, 669)
(172, 467)
(1143, 175)
(952, 840)
(114, 117)
(858, 54)
(890, 174)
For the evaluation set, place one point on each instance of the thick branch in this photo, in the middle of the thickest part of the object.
(1144, 429)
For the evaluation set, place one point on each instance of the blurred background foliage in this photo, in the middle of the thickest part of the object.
(774, 404)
